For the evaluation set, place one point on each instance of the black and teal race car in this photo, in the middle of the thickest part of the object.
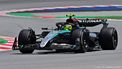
(71, 35)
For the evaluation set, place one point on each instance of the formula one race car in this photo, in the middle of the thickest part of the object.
(71, 35)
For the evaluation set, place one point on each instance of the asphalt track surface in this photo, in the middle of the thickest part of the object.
(10, 26)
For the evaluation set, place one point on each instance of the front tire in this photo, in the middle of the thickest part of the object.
(108, 38)
(26, 36)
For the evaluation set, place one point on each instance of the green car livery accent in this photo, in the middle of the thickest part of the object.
(51, 35)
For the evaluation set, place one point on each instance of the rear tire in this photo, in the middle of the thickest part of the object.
(26, 36)
(80, 40)
(108, 38)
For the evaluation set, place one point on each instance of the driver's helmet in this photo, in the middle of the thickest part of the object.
(67, 27)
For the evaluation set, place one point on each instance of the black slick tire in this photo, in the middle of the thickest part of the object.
(80, 40)
(26, 36)
(108, 38)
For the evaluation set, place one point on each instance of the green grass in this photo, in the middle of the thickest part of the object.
(31, 15)
(2, 41)
(105, 17)
(21, 14)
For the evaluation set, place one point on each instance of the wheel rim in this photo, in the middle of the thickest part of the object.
(29, 37)
(115, 39)
(83, 41)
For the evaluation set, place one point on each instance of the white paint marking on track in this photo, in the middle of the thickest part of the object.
(114, 19)
(10, 47)
(5, 49)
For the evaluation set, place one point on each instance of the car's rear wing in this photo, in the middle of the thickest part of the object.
(91, 22)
